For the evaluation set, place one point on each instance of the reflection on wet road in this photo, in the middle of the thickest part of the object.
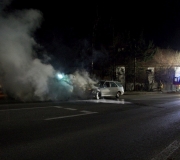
(116, 101)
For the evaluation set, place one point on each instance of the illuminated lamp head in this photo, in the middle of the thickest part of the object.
(59, 75)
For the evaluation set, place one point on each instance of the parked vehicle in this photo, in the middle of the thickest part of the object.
(107, 89)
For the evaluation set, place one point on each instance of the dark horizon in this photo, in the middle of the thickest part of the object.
(71, 21)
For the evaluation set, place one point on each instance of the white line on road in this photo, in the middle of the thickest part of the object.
(84, 111)
(168, 151)
(76, 115)
(71, 109)
(57, 106)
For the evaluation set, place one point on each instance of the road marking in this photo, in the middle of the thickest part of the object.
(71, 109)
(57, 106)
(168, 151)
(84, 111)
(75, 115)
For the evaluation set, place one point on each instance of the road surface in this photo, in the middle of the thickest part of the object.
(137, 127)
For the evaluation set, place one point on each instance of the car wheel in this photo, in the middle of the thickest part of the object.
(118, 94)
(98, 95)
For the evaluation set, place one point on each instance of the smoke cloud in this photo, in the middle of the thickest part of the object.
(22, 74)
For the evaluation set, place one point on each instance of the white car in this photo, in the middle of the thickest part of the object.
(107, 89)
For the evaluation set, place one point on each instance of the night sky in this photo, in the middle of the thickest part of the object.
(66, 23)
(160, 21)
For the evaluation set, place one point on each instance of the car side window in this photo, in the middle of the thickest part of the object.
(106, 84)
(113, 84)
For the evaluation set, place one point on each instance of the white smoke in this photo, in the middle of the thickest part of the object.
(22, 75)
(82, 83)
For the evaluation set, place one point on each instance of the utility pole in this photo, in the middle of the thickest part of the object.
(93, 38)
(134, 72)
(134, 46)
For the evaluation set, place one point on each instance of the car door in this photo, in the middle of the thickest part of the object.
(113, 89)
(105, 90)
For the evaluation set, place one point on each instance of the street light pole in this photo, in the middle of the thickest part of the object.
(134, 73)
(93, 38)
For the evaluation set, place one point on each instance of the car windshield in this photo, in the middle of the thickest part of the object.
(119, 84)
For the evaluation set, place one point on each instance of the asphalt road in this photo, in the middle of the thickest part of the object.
(135, 127)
